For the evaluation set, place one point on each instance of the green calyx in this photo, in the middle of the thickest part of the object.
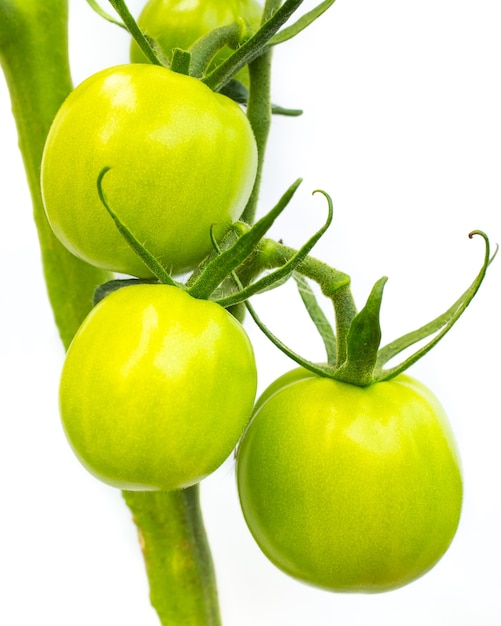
(247, 45)
(245, 263)
(354, 356)
(365, 361)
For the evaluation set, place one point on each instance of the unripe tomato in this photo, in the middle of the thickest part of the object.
(179, 24)
(182, 158)
(349, 488)
(156, 388)
(292, 376)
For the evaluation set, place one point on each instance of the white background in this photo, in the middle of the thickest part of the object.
(402, 127)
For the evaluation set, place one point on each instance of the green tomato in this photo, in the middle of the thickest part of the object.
(349, 488)
(179, 24)
(157, 388)
(182, 159)
(298, 373)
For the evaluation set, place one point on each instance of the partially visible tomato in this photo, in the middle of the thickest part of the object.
(349, 488)
(179, 24)
(292, 376)
(182, 159)
(157, 388)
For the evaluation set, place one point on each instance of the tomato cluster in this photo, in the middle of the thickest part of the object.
(157, 386)
(344, 487)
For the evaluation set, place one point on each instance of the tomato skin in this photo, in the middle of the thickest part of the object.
(182, 158)
(179, 24)
(351, 489)
(157, 388)
(292, 376)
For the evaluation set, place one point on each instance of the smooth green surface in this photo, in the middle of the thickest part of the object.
(157, 388)
(182, 159)
(349, 488)
(292, 376)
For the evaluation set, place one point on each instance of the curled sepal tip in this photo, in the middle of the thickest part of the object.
(285, 271)
(303, 22)
(438, 327)
(148, 259)
(222, 265)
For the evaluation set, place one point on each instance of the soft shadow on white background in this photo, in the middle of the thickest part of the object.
(402, 128)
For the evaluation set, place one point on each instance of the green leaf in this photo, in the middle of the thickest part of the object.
(318, 317)
(302, 23)
(222, 265)
(148, 259)
(364, 337)
(442, 323)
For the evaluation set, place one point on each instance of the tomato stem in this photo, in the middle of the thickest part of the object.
(358, 358)
(335, 285)
(283, 272)
(131, 25)
(259, 111)
(330, 280)
(259, 114)
(34, 57)
(177, 556)
(345, 311)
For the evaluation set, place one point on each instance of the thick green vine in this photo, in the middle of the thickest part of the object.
(34, 58)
